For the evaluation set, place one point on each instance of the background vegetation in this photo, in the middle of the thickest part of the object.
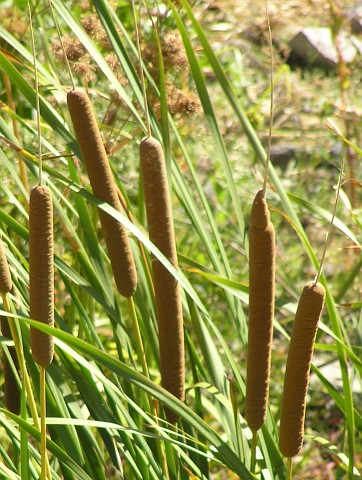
(208, 93)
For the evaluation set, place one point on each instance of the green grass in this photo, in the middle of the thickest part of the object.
(100, 406)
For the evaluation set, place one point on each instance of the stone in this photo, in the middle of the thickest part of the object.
(315, 47)
(354, 14)
(282, 153)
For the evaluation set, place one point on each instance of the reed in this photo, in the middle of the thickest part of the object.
(297, 372)
(41, 272)
(167, 291)
(12, 390)
(104, 188)
(261, 311)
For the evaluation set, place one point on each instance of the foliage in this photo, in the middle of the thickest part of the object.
(105, 417)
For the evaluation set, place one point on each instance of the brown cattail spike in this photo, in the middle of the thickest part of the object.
(167, 291)
(104, 188)
(41, 268)
(12, 392)
(5, 277)
(261, 311)
(298, 367)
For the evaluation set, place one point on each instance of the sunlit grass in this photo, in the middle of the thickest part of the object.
(105, 418)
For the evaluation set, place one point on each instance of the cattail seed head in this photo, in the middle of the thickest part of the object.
(12, 390)
(261, 311)
(299, 360)
(259, 216)
(104, 188)
(41, 272)
(167, 291)
(12, 394)
(5, 277)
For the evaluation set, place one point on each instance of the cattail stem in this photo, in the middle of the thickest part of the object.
(22, 364)
(289, 475)
(45, 467)
(37, 96)
(254, 444)
(330, 229)
(142, 76)
(60, 38)
(271, 109)
(142, 357)
(139, 344)
(11, 103)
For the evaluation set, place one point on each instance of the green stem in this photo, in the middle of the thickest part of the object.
(23, 369)
(289, 468)
(142, 357)
(43, 439)
(254, 443)
(139, 344)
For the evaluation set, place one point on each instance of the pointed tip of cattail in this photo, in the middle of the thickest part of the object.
(316, 288)
(77, 93)
(260, 213)
(151, 145)
(77, 98)
(41, 191)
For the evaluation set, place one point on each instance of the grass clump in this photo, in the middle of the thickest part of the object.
(182, 344)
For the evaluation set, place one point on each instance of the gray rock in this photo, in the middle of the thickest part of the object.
(315, 47)
(354, 14)
(357, 42)
(356, 24)
(282, 153)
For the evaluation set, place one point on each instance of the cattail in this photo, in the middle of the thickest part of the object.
(12, 390)
(5, 278)
(104, 188)
(261, 311)
(167, 291)
(298, 367)
(41, 272)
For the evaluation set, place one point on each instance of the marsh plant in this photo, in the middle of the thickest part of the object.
(152, 363)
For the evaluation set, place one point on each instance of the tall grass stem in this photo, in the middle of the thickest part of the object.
(37, 97)
(143, 85)
(271, 113)
(254, 444)
(19, 351)
(329, 233)
(61, 43)
(139, 344)
(45, 470)
(289, 475)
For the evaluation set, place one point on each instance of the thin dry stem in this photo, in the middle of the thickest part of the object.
(36, 94)
(143, 86)
(9, 96)
(61, 43)
(329, 234)
(271, 99)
